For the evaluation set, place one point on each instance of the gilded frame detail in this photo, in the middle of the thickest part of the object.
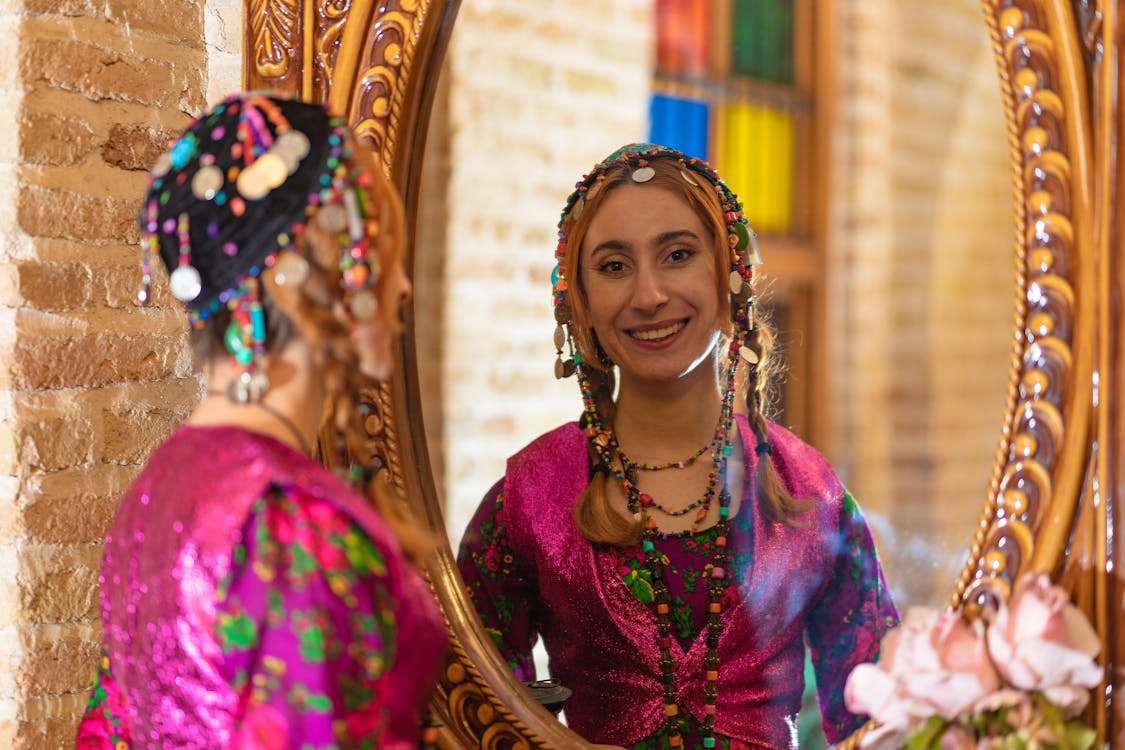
(377, 62)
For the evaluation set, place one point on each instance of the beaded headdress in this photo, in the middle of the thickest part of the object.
(231, 197)
(635, 160)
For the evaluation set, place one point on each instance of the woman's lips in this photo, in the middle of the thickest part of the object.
(651, 334)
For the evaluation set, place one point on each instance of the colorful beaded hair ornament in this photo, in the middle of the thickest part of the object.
(233, 195)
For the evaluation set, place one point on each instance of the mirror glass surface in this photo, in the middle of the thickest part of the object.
(915, 253)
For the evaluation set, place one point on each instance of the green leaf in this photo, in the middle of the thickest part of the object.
(929, 736)
(1077, 736)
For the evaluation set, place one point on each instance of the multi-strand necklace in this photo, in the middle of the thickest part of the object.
(639, 504)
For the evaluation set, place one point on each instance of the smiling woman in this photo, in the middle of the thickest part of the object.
(676, 600)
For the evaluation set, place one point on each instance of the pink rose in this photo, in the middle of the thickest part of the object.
(956, 738)
(932, 663)
(1040, 641)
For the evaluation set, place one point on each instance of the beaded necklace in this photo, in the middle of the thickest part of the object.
(639, 503)
(683, 463)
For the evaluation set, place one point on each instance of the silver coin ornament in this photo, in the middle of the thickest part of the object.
(291, 269)
(252, 184)
(207, 182)
(363, 305)
(736, 282)
(748, 354)
(643, 174)
(332, 218)
(248, 388)
(185, 283)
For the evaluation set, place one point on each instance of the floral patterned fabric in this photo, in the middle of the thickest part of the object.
(842, 626)
(293, 640)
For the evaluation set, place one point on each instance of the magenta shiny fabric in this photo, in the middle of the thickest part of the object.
(168, 550)
(601, 639)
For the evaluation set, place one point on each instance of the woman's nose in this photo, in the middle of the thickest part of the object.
(648, 292)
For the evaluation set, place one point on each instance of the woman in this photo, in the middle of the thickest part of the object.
(674, 555)
(250, 597)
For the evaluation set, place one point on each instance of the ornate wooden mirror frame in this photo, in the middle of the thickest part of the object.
(1059, 474)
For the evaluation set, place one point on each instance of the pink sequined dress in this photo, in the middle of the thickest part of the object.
(251, 599)
(530, 573)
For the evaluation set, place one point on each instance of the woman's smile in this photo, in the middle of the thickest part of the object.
(656, 333)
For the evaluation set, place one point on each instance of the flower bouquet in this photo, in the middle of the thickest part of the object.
(1019, 681)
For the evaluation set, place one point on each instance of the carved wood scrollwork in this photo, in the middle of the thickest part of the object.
(1036, 482)
(376, 61)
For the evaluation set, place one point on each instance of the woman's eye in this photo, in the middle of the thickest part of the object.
(680, 254)
(612, 266)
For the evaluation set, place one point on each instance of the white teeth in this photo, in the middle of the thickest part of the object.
(658, 333)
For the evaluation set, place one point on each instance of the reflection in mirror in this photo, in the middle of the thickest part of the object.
(912, 262)
(917, 265)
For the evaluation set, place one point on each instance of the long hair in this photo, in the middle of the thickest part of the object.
(595, 517)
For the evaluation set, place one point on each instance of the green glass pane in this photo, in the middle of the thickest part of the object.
(762, 39)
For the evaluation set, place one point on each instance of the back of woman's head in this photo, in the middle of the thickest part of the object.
(273, 222)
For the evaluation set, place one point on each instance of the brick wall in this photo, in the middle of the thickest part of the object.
(539, 92)
(90, 382)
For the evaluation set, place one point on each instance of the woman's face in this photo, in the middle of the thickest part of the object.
(647, 268)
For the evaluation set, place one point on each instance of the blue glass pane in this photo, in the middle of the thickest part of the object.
(681, 124)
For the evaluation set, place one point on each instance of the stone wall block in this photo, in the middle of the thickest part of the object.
(178, 20)
(134, 147)
(83, 519)
(55, 139)
(66, 8)
(89, 361)
(43, 212)
(61, 660)
(66, 593)
(52, 443)
(99, 73)
(130, 436)
(54, 286)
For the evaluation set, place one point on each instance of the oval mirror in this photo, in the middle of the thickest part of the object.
(912, 367)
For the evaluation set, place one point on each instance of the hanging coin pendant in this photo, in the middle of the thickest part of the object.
(258, 386)
(559, 369)
(753, 255)
(560, 337)
(568, 368)
(363, 305)
(207, 181)
(578, 206)
(644, 174)
(562, 314)
(748, 354)
(186, 283)
(332, 218)
(252, 183)
(292, 143)
(735, 282)
(291, 269)
(273, 169)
